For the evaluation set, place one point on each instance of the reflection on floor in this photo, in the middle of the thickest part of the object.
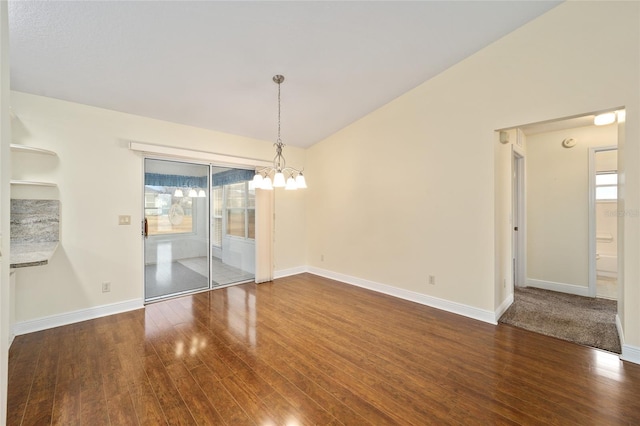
(607, 287)
(170, 278)
(223, 274)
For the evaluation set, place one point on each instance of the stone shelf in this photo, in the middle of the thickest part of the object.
(24, 255)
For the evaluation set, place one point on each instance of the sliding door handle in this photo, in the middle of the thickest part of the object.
(145, 228)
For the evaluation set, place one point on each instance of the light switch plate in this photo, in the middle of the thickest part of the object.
(124, 220)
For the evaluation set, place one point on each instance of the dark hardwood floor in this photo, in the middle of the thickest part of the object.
(307, 350)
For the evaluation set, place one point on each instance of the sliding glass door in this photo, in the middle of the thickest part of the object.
(199, 227)
(176, 212)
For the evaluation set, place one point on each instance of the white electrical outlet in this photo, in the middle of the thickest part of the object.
(432, 279)
(106, 287)
(124, 220)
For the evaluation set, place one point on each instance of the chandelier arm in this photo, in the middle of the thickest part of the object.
(291, 170)
(265, 170)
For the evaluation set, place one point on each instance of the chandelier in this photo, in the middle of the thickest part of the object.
(283, 176)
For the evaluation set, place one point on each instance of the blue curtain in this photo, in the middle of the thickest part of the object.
(224, 178)
(231, 176)
(159, 179)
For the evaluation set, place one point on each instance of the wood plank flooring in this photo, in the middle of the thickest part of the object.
(305, 350)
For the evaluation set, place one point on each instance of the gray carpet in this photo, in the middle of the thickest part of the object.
(583, 320)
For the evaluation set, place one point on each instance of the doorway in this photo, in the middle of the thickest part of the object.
(603, 222)
(199, 227)
(571, 179)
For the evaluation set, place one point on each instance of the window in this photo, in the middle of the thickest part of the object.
(240, 210)
(167, 214)
(216, 215)
(606, 186)
(233, 212)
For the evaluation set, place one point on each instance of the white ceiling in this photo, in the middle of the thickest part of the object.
(209, 64)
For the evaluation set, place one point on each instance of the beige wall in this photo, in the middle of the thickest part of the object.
(607, 161)
(410, 190)
(558, 205)
(98, 179)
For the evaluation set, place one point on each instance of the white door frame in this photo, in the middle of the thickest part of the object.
(519, 217)
(593, 289)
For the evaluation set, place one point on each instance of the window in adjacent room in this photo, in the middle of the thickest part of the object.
(607, 186)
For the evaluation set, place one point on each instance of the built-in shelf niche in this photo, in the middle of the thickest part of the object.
(31, 149)
(31, 183)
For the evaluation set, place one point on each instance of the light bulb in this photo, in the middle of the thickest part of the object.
(300, 182)
(278, 180)
(291, 184)
(257, 180)
(192, 193)
(266, 183)
(202, 194)
(178, 193)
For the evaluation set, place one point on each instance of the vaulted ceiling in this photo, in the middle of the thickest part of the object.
(210, 63)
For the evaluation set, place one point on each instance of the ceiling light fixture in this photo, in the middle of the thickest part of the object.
(178, 193)
(604, 119)
(262, 178)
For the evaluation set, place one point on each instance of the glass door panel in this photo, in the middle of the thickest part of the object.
(176, 245)
(233, 226)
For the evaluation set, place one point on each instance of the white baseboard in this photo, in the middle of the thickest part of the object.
(629, 353)
(290, 271)
(504, 306)
(620, 330)
(44, 323)
(561, 287)
(423, 299)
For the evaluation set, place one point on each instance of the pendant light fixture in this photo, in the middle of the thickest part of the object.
(283, 176)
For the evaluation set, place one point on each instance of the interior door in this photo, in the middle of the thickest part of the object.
(176, 228)
(518, 220)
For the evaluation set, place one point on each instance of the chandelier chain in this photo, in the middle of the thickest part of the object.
(279, 140)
